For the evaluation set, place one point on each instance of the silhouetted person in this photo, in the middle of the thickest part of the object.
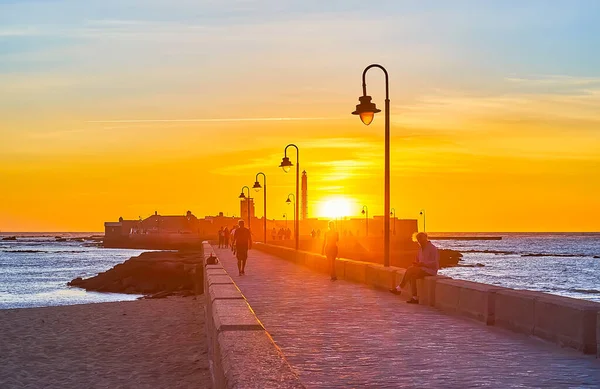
(226, 237)
(232, 237)
(288, 234)
(313, 233)
(330, 248)
(221, 237)
(427, 264)
(274, 233)
(281, 233)
(319, 233)
(243, 242)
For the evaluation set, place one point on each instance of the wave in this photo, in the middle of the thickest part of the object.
(502, 252)
(497, 252)
(585, 291)
(42, 251)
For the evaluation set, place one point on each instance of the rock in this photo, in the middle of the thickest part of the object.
(10, 238)
(151, 273)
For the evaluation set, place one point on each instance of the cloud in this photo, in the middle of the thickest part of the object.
(216, 120)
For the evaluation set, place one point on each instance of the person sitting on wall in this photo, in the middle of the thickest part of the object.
(427, 264)
(243, 242)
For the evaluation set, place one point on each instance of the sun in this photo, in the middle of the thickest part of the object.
(334, 207)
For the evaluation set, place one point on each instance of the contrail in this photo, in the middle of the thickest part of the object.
(212, 120)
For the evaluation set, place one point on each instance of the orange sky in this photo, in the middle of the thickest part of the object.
(128, 124)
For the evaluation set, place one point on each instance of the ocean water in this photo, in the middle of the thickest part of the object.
(35, 269)
(566, 264)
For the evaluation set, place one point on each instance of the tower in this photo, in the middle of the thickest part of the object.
(304, 195)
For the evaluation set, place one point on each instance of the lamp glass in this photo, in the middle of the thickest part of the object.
(367, 117)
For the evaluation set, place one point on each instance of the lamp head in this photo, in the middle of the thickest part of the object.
(242, 196)
(420, 213)
(286, 164)
(288, 201)
(363, 212)
(366, 110)
(257, 186)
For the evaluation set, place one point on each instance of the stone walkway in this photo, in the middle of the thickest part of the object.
(346, 335)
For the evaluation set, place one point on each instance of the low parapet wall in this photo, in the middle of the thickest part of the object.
(566, 321)
(242, 353)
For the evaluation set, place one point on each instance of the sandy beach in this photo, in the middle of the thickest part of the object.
(136, 344)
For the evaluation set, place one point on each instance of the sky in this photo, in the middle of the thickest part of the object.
(123, 108)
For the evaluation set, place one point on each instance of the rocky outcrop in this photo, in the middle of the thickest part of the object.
(154, 274)
(449, 258)
(10, 238)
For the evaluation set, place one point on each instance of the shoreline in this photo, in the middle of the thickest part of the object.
(142, 343)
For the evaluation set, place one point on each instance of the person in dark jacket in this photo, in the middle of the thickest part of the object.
(243, 242)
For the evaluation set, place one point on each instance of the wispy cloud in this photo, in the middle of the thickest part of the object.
(215, 120)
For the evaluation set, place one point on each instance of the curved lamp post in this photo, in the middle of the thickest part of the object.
(288, 202)
(393, 213)
(367, 110)
(257, 188)
(286, 165)
(243, 196)
(422, 213)
(365, 211)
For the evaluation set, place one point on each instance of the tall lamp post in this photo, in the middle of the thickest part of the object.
(365, 211)
(243, 196)
(393, 213)
(286, 165)
(422, 213)
(288, 202)
(367, 110)
(257, 187)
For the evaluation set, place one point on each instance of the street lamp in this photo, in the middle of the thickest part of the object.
(243, 196)
(365, 211)
(367, 110)
(422, 213)
(286, 165)
(285, 216)
(288, 202)
(393, 213)
(257, 188)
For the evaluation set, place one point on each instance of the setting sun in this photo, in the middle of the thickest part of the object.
(334, 207)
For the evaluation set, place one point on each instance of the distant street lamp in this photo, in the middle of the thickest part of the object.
(422, 213)
(365, 211)
(367, 110)
(286, 165)
(242, 196)
(288, 202)
(257, 188)
(393, 213)
(285, 216)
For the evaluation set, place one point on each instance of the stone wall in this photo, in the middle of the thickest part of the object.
(242, 353)
(568, 322)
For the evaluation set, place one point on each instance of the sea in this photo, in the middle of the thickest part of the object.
(565, 264)
(35, 268)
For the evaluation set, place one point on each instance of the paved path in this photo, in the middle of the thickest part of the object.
(346, 335)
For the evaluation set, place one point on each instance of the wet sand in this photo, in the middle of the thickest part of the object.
(135, 344)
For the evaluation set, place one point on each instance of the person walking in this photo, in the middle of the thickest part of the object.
(243, 242)
(226, 238)
(232, 238)
(221, 237)
(274, 233)
(427, 264)
(330, 248)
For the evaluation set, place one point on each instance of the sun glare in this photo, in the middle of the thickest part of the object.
(335, 207)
